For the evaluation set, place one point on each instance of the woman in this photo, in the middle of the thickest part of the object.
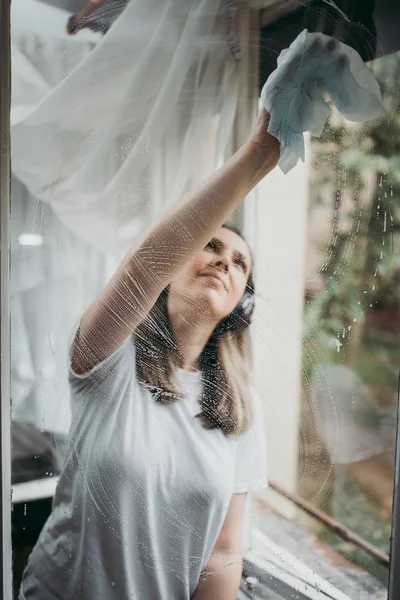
(165, 439)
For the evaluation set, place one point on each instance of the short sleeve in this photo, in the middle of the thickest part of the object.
(104, 374)
(251, 453)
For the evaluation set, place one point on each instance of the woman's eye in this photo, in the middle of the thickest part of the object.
(211, 245)
(242, 265)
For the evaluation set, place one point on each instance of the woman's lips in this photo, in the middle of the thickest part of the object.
(212, 276)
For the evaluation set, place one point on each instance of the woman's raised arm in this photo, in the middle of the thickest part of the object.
(166, 246)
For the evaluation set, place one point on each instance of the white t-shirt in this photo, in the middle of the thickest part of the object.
(144, 491)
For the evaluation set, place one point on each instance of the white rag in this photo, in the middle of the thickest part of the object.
(314, 69)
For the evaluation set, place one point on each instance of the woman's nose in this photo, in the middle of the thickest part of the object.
(222, 263)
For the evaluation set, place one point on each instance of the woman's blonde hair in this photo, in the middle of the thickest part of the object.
(225, 365)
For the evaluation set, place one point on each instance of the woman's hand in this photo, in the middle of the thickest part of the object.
(264, 141)
(72, 25)
(261, 137)
(77, 22)
(263, 146)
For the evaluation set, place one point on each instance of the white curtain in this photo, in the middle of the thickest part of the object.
(53, 279)
(54, 274)
(110, 142)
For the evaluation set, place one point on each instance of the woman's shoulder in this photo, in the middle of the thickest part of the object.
(122, 359)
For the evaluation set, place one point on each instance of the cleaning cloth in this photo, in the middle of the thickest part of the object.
(314, 69)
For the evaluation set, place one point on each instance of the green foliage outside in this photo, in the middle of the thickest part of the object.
(361, 267)
(356, 171)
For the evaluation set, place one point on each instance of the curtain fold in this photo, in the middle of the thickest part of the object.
(90, 144)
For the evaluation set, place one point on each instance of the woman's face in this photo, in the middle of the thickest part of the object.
(213, 283)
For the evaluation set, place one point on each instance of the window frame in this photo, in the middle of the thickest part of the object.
(5, 396)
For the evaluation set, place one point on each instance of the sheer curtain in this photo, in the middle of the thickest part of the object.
(118, 137)
(54, 276)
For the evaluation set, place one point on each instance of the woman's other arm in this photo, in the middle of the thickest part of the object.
(221, 577)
